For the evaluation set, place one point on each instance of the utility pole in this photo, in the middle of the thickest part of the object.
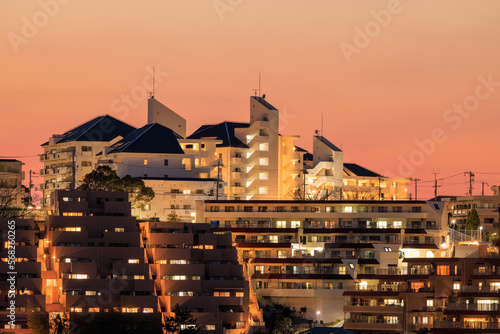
(471, 179)
(73, 170)
(482, 190)
(416, 181)
(379, 189)
(29, 191)
(219, 165)
(435, 186)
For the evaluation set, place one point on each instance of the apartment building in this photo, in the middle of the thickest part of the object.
(27, 272)
(306, 253)
(360, 183)
(200, 270)
(11, 177)
(93, 260)
(440, 294)
(258, 162)
(487, 208)
(68, 157)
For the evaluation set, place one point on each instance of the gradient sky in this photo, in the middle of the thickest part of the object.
(393, 89)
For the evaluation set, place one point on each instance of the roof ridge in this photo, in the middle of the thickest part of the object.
(139, 136)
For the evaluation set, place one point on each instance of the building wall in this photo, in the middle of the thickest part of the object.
(11, 177)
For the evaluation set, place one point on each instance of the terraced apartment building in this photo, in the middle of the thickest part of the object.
(307, 253)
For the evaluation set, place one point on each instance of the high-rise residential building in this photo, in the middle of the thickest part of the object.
(229, 160)
(487, 208)
(11, 177)
(200, 270)
(67, 158)
(306, 253)
(93, 260)
(21, 290)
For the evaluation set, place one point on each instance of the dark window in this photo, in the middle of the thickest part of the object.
(165, 162)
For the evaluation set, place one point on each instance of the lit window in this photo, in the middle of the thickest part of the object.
(443, 270)
(263, 190)
(281, 224)
(240, 294)
(456, 286)
(351, 265)
(186, 191)
(130, 310)
(430, 303)
(133, 260)
(147, 310)
(145, 161)
(382, 224)
(264, 161)
(425, 320)
(263, 176)
(138, 276)
(295, 223)
(90, 293)
(119, 229)
(209, 327)
(51, 282)
(264, 147)
(342, 270)
(388, 249)
(398, 224)
(348, 209)
(222, 294)
(75, 309)
(94, 309)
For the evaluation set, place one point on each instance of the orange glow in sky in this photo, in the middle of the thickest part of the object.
(405, 87)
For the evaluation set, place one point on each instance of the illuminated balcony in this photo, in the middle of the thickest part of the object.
(373, 324)
(467, 326)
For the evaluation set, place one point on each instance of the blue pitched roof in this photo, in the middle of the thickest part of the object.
(151, 138)
(102, 128)
(223, 131)
(357, 170)
(264, 103)
(328, 143)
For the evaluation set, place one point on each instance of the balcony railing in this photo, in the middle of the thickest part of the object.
(374, 321)
(487, 271)
(378, 287)
(467, 324)
(403, 271)
(475, 288)
(473, 307)
(372, 303)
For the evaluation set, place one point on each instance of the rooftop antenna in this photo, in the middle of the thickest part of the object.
(255, 91)
(152, 94)
(259, 83)
(322, 125)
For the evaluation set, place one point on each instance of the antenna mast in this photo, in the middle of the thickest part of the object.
(322, 134)
(259, 84)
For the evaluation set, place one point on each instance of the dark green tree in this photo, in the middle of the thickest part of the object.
(283, 325)
(472, 222)
(423, 330)
(60, 325)
(38, 321)
(104, 178)
(182, 322)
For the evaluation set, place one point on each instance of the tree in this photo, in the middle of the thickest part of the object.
(102, 178)
(9, 194)
(38, 321)
(360, 193)
(106, 179)
(423, 330)
(283, 325)
(60, 325)
(325, 192)
(182, 322)
(173, 218)
(473, 221)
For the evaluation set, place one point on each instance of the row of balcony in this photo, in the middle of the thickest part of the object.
(473, 307)
(325, 225)
(311, 209)
(58, 185)
(57, 156)
(466, 324)
(56, 170)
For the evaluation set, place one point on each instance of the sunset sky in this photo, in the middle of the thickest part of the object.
(412, 81)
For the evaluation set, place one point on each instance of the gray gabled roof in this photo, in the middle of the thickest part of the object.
(102, 128)
(328, 143)
(151, 138)
(357, 170)
(223, 131)
(264, 102)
